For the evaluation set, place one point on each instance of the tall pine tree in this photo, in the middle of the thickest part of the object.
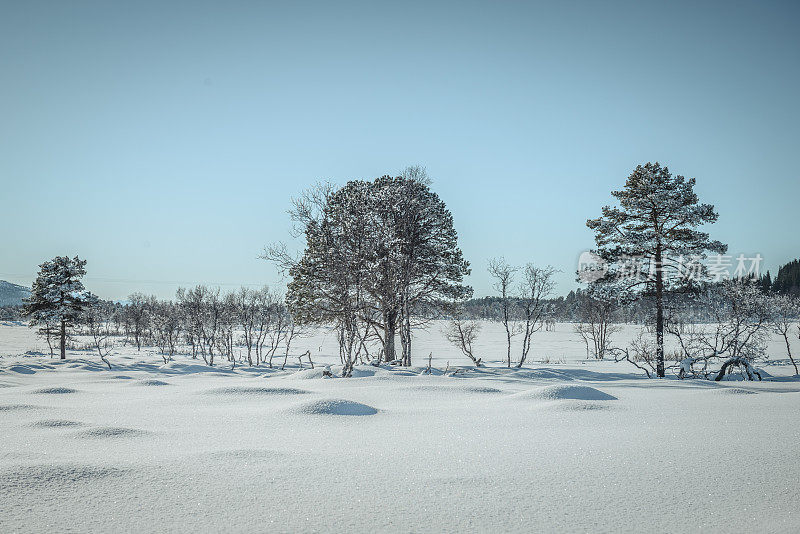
(656, 223)
(58, 296)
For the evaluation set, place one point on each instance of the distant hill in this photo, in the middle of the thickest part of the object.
(12, 294)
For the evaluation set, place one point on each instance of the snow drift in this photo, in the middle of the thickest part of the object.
(335, 407)
(563, 392)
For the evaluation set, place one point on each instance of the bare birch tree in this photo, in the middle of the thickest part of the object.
(503, 275)
(536, 286)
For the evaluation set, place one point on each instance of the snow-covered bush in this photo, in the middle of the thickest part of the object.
(462, 333)
(740, 319)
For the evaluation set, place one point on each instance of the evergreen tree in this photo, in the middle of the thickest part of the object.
(58, 296)
(655, 226)
(765, 282)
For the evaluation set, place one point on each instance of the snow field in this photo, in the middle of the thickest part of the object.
(567, 447)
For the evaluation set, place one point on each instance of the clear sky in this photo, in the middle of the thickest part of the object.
(162, 141)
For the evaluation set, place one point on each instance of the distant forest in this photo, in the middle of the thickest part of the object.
(567, 309)
(786, 282)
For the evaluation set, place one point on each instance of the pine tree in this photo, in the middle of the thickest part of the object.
(656, 225)
(58, 296)
(765, 282)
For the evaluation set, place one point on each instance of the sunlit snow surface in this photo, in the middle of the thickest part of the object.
(569, 445)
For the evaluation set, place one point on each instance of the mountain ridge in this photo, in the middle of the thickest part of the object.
(12, 294)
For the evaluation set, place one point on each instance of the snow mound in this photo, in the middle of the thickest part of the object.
(56, 423)
(25, 477)
(55, 391)
(15, 407)
(27, 369)
(734, 391)
(364, 371)
(153, 382)
(245, 390)
(335, 407)
(307, 374)
(564, 392)
(110, 432)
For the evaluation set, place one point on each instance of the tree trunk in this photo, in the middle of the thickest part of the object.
(49, 332)
(407, 345)
(63, 339)
(390, 326)
(659, 315)
(508, 338)
(789, 350)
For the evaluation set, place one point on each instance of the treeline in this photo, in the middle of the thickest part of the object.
(11, 313)
(786, 282)
(561, 309)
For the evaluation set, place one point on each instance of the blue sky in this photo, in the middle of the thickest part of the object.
(163, 143)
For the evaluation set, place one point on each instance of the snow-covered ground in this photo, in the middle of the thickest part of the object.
(568, 445)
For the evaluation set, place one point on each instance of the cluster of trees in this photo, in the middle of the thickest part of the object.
(211, 323)
(381, 257)
(657, 223)
(202, 321)
(376, 253)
